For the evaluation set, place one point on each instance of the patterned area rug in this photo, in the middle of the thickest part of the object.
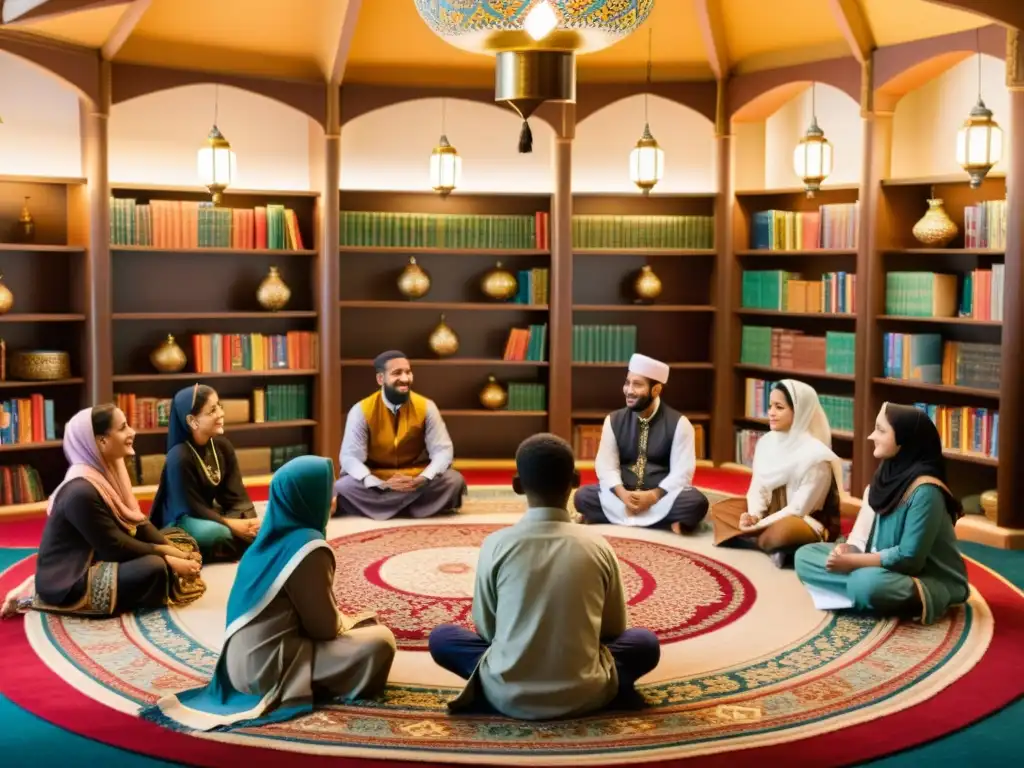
(737, 673)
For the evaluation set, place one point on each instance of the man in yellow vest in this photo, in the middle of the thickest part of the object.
(396, 455)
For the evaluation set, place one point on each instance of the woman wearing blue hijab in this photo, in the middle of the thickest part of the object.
(201, 489)
(286, 644)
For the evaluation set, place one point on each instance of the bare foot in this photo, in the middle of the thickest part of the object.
(677, 528)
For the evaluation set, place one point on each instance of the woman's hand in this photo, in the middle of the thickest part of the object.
(245, 530)
(747, 520)
(840, 549)
(183, 567)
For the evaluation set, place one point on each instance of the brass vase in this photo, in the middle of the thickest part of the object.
(499, 284)
(25, 231)
(990, 504)
(493, 396)
(647, 285)
(444, 342)
(273, 294)
(413, 282)
(935, 229)
(168, 357)
(6, 297)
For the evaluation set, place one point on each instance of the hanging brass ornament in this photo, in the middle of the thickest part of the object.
(414, 282)
(534, 43)
(168, 357)
(6, 297)
(444, 342)
(647, 285)
(499, 284)
(25, 230)
(273, 294)
(493, 396)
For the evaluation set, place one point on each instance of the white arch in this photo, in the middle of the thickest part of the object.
(604, 139)
(389, 148)
(41, 133)
(154, 137)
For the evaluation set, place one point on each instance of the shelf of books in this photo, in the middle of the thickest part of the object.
(476, 265)
(938, 329)
(43, 352)
(795, 301)
(643, 281)
(232, 287)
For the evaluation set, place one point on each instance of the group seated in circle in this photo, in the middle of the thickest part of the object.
(288, 648)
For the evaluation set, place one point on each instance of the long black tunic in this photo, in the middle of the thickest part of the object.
(82, 530)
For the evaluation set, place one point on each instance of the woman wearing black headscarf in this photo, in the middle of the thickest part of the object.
(901, 558)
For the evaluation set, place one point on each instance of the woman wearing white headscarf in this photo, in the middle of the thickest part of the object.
(793, 497)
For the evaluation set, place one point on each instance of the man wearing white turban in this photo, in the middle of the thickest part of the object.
(645, 461)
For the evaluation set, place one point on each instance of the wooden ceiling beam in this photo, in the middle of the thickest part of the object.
(123, 29)
(343, 41)
(1009, 13)
(712, 30)
(20, 11)
(853, 23)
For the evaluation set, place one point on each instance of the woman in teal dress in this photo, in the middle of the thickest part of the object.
(901, 558)
(201, 488)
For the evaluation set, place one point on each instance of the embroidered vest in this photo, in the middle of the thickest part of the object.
(661, 430)
(396, 444)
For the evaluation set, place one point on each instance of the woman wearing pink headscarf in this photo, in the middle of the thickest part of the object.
(99, 553)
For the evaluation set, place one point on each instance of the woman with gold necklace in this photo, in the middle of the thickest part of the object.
(201, 489)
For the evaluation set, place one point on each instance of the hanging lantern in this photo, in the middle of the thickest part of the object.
(646, 162)
(534, 42)
(979, 144)
(812, 158)
(216, 164)
(445, 163)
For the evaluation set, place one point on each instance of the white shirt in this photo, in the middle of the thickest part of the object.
(354, 445)
(803, 497)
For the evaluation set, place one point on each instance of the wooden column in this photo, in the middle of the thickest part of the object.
(727, 324)
(872, 237)
(95, 206)
(1011, 407)
(328, 398)
(560, 298)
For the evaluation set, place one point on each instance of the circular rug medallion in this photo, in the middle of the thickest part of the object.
(733, 692)
(416, 577)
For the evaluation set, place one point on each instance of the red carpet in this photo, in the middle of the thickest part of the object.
(27, 531)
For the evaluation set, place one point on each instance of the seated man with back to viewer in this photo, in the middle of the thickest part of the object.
(549, 609)
(396, 455)
(645, 461)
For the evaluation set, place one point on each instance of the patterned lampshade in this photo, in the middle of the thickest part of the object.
(489, 26)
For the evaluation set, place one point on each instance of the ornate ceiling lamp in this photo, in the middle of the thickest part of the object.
(647, 160)
(534, 42)
(445, 163)
(812, 158)
(979, 142)
(215, 160)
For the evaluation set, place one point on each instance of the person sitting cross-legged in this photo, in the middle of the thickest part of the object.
(549, 608)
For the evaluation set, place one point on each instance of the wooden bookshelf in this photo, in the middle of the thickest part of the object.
(902, 203)
(375, 316)
(614, 237)
(48, 279)
(202, 288)
(808, 260)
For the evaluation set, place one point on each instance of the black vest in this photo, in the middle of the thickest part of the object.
(626, 428)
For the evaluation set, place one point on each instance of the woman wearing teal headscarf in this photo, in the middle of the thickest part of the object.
(201, 489)
(286, 644)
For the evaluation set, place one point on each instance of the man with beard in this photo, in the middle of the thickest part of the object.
(396, 455)
(645, 461)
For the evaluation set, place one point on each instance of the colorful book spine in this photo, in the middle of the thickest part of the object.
(603, 343)
(966, 430)
(782, 291)
(832, 226)
(220, 352)
(27, 420)
(526, 396)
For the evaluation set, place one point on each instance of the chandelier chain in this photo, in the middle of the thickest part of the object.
(650, 66)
